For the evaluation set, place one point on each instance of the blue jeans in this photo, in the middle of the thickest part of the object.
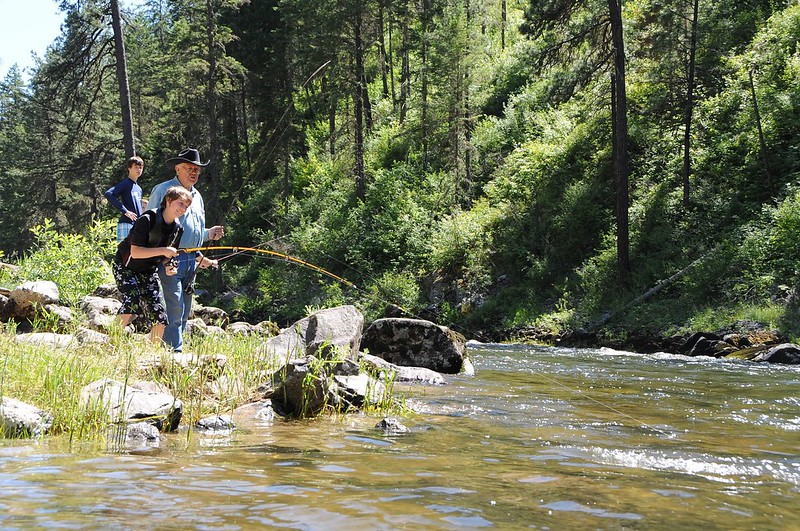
(177, 301)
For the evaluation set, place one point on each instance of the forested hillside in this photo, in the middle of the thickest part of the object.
(501, 165)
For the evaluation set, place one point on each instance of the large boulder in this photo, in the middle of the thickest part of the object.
(288, 345)
(318, 334)
(339, 328)
(29, 297)
(379, 366)
(415, 343)
(304, 389)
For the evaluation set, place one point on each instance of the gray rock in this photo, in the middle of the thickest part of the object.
(125, 403)
(18, 419)
(210, 315)
(86, 336)
(391, 426)
(30, 296)
(785, 353)
(215, 423)
(47, 339)
(402, 374)
(339, 327)
(288, 345)
(255, 411)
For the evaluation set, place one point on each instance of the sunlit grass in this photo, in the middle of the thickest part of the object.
(52, 378)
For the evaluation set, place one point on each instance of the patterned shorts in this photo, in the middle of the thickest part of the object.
(140, 294)
(123, 229)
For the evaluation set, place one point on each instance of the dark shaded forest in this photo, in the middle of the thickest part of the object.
(502, 166)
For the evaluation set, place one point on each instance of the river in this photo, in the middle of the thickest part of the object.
(539, 438)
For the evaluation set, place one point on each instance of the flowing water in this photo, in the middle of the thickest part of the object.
(540, 438)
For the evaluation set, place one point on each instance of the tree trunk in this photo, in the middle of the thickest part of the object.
(358, 108)
(405, 69)
(619, 112)
(122, 79)
(424, 84)
(212, 175)
(382, 39)
(390, 65)
(332, 102)
(503, 22)
(761, 141)
(687, 115)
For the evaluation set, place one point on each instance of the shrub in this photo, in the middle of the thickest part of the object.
(76, 263)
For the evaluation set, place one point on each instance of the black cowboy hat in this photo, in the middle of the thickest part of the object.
(189, 155)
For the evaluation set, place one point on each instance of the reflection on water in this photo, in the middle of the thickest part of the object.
(541, 438)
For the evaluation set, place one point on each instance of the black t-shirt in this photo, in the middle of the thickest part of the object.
(145, 233)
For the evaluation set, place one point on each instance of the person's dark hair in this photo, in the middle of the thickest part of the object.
(137, 161)
(173, 193)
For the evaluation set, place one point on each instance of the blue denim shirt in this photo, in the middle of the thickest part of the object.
(193, 221)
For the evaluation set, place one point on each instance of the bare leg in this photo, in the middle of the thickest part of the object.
(124, 319)
(156, 333)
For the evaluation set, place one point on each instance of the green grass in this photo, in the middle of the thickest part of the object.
(52, 378)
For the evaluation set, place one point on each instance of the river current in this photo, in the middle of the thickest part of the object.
(539, 438)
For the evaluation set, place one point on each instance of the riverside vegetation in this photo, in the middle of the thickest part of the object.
(458, 166)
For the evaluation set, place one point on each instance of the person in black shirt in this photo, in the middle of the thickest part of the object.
(154, 237)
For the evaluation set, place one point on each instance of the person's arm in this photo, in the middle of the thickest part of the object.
(141, 253)
(214, 233)
(113, 194)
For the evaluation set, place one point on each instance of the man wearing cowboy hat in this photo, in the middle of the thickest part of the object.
(177, 298)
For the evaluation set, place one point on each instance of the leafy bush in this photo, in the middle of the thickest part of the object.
(76, 263)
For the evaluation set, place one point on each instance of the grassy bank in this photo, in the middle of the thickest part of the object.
(52, 378)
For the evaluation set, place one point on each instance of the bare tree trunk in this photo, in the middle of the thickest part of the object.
(122, 79)
(390, 65)
(405, 69)
(761, 141)
(619, 113)
(382, 42)
(358, 108)
(424, 85)
(687, 115)
(503, 22)
(332, 102)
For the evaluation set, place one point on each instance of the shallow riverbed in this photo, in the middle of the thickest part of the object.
(540, 438)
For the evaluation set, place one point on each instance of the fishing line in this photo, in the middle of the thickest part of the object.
(603, 404)
(236, 250)
(385, 298)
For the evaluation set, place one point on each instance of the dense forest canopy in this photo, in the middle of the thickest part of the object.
(481, 162)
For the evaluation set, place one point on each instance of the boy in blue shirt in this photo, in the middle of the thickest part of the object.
(126, 196)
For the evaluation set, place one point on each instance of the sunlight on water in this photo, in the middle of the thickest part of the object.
(540, 438)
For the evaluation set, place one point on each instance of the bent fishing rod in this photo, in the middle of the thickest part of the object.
(235, 249)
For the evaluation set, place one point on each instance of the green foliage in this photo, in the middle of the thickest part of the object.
(75, 262)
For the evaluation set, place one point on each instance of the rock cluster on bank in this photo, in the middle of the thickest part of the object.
(321, 363)
(746, 340)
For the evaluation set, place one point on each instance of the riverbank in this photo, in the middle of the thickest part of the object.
(744, 339)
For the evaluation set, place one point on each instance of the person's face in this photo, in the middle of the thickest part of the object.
(188, 174)
(135, 170)
(178, 207)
